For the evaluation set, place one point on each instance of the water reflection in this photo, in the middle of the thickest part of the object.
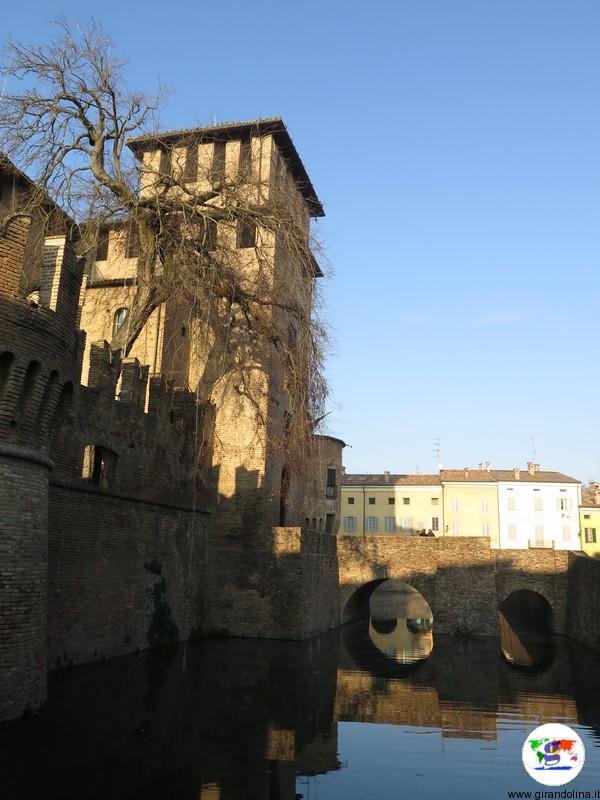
(231, 719)
(400, 623)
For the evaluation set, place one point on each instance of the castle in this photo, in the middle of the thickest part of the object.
(135, 511)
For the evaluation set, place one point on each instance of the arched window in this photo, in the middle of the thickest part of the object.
(119, 319)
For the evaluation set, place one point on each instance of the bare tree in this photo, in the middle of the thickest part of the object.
(67, 119)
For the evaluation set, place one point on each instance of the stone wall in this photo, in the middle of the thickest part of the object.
(123, 574)
(583, 623)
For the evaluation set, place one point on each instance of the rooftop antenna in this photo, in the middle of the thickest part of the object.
(437, 452)
(533, 450)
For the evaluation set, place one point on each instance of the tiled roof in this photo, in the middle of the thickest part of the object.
(367, 479)
(468, 475)
(542, 476)
(273, 125)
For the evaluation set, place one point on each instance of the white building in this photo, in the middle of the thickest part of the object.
(538, 509)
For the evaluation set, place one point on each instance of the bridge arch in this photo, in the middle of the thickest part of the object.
(528, 609)
(356, 599)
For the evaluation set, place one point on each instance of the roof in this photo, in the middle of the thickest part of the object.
(542, 476)
(467, 475)
(331, 438)
(230, 130)
(367, 479)
(9, 169)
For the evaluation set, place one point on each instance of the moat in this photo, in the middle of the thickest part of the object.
(360, 712)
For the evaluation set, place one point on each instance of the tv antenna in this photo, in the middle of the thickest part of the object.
(437, 451)
(533, 450)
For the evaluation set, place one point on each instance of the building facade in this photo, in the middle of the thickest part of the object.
(516, 509)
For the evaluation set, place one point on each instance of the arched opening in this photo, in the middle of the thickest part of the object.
(392, 620)
(6, 364)
(526, 630)
(284, 489)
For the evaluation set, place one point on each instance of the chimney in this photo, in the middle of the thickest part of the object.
(466, 472)
(488, 466)
(386, 475)
(531, 468)
(517, 472)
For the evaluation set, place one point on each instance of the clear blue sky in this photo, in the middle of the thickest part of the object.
(456, 147)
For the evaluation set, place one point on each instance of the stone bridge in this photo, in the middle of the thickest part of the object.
(462, 578)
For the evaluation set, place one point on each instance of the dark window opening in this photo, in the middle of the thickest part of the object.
(371, 501)
(99, 465)
(165, 168)
(133, 242)
(217, 171)
(350, 501)
(329, 523)
(6, 363)
(102, 245)
(331, 487)
(406, 501)
(245, 162)
(391, 501)
(246, 234)
(435, 523)
(190, 170)
(590, 535)
(119, 319)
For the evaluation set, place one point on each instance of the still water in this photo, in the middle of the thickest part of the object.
(378, 709)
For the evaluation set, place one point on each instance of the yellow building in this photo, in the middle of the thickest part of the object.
(471, 503)
(589, 529)
(391, 503)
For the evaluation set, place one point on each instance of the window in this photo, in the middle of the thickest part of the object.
(349, 524)
(454, 504)
(512, 532)
(435, 501)
(217, 171)
(102, 245)
(245, 163)
(165, 168)
(329, 523)
(586, 516)
(406, 501)
(566, 531)
(485, 506)
(539, 534)
(133, 243)
(99, 465)
(406, 524)
(537, 503)
(350, 501)
(390, 524)
(485, 528)
(190, 170)
(371, 524)
(455, 528)
(331, 488)
(371, 501)
(565, 503)
(119, 319)
(435, 523)
(391, 501)
(246, 234)
(511, 504)
(590, 535)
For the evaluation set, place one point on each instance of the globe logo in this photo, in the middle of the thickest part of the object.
(553, 754)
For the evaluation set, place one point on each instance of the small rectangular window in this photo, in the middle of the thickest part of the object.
(391, 501)
(102, 245)
(512, 531)
(133, 243)
(350, 501)
(245, 163)
(371, 524)
(190, 170)
(390, 524)
(454, 504)
(217, 172)
(165, 167)
(586, 516)
(246, 234)
(435, 523)
(435, 501)
(349, 524)
(371, 501)
(406, 501)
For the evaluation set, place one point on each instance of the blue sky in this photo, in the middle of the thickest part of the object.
(455, 146)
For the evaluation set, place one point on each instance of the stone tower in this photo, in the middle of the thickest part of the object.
(38, 367)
